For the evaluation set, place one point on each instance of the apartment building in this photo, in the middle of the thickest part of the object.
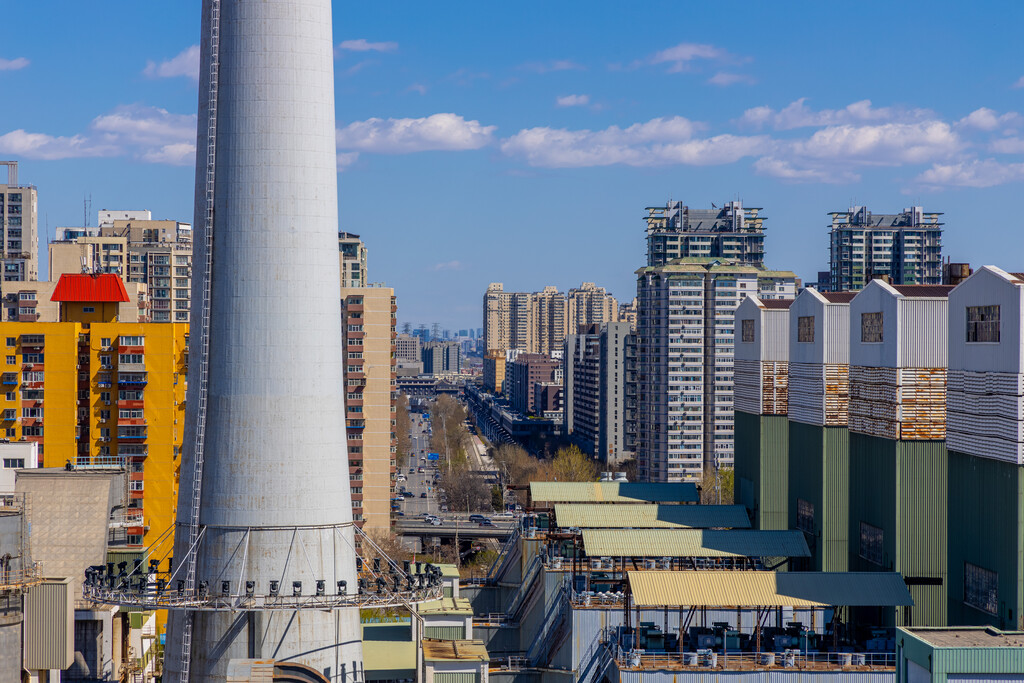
(589, 305)
(440, 358)
(31, 301)
(93, 391)
(627, 314)
(527, 370)
(548, 313)
(761, 403)
(368, 333)
(494, 372)
(352, 253)
(903, 248)
(684, 361)
(507, 321)
(731, 232)
(154, 253)
(594, 394)
(407, 347)
(19, 227)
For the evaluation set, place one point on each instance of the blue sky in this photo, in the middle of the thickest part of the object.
(520, 142)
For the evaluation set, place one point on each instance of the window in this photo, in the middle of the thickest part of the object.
(805, 329)
(10, 414)
(871, 542)
(105, 361)
(32, 358)
(981, 588)
(32, 413)
(104, 415)
(32, 377)
(804, 516)
(983, 324)
(105, 396)
(748, 330)
(132, 340)
(88, 309)
(871, 327)
(32, 431)
(12, 360)
(11, 432)
(11, 463)
(129, 395)
(12, 341)
(11, 396)
(129, 414)
(132, 358)
(105, 343)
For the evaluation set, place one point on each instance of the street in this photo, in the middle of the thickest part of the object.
(418, 483)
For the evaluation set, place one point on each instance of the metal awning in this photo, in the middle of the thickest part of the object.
(612, 492)
(693, 543)
(767, 589)
(645, 516)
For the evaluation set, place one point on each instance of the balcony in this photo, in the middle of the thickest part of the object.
(128, 405)
(132, 378)
(131, 422)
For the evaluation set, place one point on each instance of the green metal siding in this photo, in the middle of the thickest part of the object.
(444, 632)
(942, 661)
(986, 528)
(819, 467)
(762, 464)
(901, 488)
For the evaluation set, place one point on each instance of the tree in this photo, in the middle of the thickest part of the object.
(403, 425)
(630, 468)
(572, 464)
(465, 490)
(716, 487)
(449, 436)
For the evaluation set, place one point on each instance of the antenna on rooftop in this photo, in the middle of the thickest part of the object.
(86, 210)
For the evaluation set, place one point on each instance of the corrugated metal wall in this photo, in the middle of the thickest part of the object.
(762, 468)
(980, 536)
(819, 474)
(987, 288)
(775, 334)
(456, 677)
(747, 462)
(445, 632)
(900, 488)
(876, 297)
(49, 625)
(924, 340)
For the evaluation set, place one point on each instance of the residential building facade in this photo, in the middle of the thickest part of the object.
(732, 232)
(903, 248)
(523, 373)
(589, 305)
(441, 358)
(352, 253)
(407, 347)
(494, 372)
(368, 335)
(19, 227)
(684, 361)
(594, 397)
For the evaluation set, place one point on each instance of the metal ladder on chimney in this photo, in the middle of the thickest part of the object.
(204, 339)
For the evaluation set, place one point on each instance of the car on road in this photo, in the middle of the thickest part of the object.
(476, 518)
(402, 477)
(419, 470)
(423, 495)
(486, 522)
(435, 521)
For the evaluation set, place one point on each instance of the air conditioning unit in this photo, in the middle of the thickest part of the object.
(650, 564)
(104, 439)
(106, 403)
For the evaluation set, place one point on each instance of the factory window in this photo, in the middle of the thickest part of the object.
(983, 323)
(10, 463)
(981, 588)
(748, 330)
(871, 327)
(871, 543)
(805, 328)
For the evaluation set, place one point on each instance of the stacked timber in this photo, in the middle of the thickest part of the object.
(985, 415)
(818, 393)
(898, 403)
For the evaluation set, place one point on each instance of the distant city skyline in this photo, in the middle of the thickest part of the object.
(477, 144)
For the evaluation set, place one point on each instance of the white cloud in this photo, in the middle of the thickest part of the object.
(780, 168)
(573, 101)
(554, 65)
(656, 142)
(975, 173)
(359, 66)
(185, 63)
(417, 87)
(724, 78)
(13, 64)
(448, 265)
(798, 115)
(680, 56)
(346, 159)
(146, 126)
(1008, 145)
(363, 45)
(399, 136)
(177, 154)
(987, 119)
(1019, 83)
(49, 148)
(886, 144)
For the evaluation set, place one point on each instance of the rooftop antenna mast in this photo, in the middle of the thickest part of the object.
(86, 210)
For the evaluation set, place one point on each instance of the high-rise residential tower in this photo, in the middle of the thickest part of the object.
(589, 305)
(352, 253)
(903, 248)
(730, 232)
(684, 361)
(19, 227)
(265, 507)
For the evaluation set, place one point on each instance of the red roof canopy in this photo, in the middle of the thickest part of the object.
(105, 287)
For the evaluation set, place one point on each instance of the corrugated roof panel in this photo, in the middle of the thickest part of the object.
(767, 589)
(611, 492)
(643, 516)
(473, 650)
(693, 543)
(104, 287)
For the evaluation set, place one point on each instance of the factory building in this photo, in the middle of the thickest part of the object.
(897, 415)
(761, 402)
(818, 396)
(984, 435)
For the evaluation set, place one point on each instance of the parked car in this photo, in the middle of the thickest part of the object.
(402, 477)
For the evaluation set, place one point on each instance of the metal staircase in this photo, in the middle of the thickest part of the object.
(203, 355)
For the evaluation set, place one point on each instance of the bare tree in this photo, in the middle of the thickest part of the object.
(403, 425)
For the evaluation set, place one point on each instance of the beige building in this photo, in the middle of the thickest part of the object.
(19, 227)
(627, 314)
(549, 320)
(533, 322)
(591, 305)
(494, 371)
(153, 253)
(28, 302)
(352, 253)
(368, 330)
